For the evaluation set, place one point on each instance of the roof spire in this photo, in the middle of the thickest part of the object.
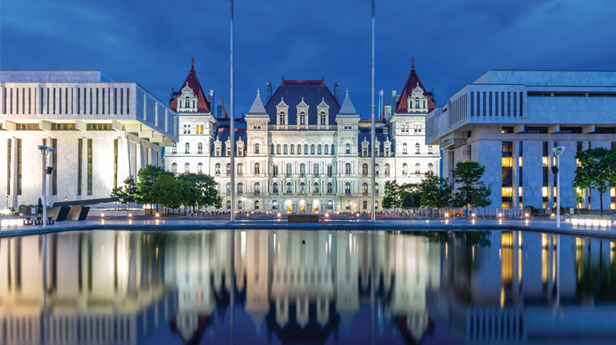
(192, 64)
(224, 111)
(347, 91)
(413, 63)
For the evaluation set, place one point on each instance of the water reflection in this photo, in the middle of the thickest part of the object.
(109, 287)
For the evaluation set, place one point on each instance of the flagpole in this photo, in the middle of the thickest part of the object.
(232, 120)
(373, 132)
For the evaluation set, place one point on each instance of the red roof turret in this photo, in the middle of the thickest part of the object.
(203, 106)
(411, 83)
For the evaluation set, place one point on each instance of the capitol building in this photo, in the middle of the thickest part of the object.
(305, 149)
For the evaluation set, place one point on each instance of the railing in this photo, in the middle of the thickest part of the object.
(311, 127)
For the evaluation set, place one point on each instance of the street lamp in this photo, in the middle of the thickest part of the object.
(558, 151)
(46, 171)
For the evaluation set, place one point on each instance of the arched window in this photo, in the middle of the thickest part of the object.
(228, 188)
(228, 204)
(302, 118)
(347, 168)
(256, 149)
(240, 188)
(405, 169)
(174, 148)
(326, 149)
(348, 149)
(292, 149)
(275, 188)
(417, 148)
(187, 167)
(364, 188)
(299, 149)
(240, 169)
(431, 167)
(312, 149)
(257, 168)
(387, 169)
(257, 188)
(319, 149)
(275, 170)
(323, 118)
(289, 169)
(330, 188)
(376, 205)
(364, 169)
(330, 170)
(272, 149)
(302, 170)
(200, 168)
(315, 188)
(332, 150)
(286, 151)
(289, 189)
(256, 204)
(200, 148)
(278, 149)
(347, 188)
(305, 149)
(274, 205)
(405, 149)
(315, 169)
(376, 189)
(376, 169)
(302, 188)
(187, 148)
(217, 169)
(240, 204)
(365, 205)
(228, 171)
(174, 168)
(417, 169)
(330, 205)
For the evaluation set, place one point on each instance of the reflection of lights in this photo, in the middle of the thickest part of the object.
(102, 222)
(446, 221)
(500, 215)
(526, 222)
(447, 215)
(278, 215)
(12, 222)
(473, 222)
(357, 214)
(544, 240)
(157, 214)
(242, 243)
(326, 215)
(102, 215)
(526, 215)
(157, 222)
(130, 215)
(502, 298)
(500, 221)
(473, 253)
(130, 222)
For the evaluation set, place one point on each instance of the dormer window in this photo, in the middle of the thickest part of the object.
(302, 118)
(322, 119)
(187, 104)
(302, 113)
(282, 119)
(282, 110)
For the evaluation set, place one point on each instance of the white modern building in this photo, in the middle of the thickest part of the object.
(509, 121)
(303, 151)
(101, 131)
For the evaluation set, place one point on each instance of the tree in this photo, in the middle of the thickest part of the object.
(167, 191)
(199, 191)
(471, 191)
(126, 193)
(147, 178)
(392, 194)
(597, 170)
(435, 191)
(400, 196)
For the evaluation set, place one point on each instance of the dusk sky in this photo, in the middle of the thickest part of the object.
(453, 41)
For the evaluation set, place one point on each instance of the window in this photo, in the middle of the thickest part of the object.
(200, 168)
(228, 188)
(330, 188)
(365, 205)
(330, 170)
(404, 149)
(376, 188)
(322, 118)
(387, 170)
(430, 150)
(275, 188)
(348, 149)
(289, 169)
(272, 149)
(347, 168)
(305, 149)
(302, 118)
(256, 149)
(417, 148)
(302, 170)
(187, 148)
(240, 188)
(312, 149)
(330, 205)
(174, 167)
(257, 188)
(302, 188)
(187, 168)
(217, 169)
(274, 205)
(364, 188)
(326, 149)
(228, 169)
(319, 149)
(174, 148)
(286, 149)
(417, 169)
(376, 169)
(332, 150)
(283, 118)
(364, 169)
(275, 170)
(431, 167)
(289, 190)
(278, 149)
(200, 148)
(347, 188)
(257, 205)
(315, 169)
(240, 169)
(315, 188)
(228, 204)
(299, 149)
(292, 149)
(405, 169)
(240, 204)
(257, 168)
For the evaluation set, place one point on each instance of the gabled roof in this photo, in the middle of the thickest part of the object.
(203, 106)
(411, 83)
(257, 106)
(347, 106)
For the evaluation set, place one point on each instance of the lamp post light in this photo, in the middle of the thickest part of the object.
(558, 151)
(45, 150)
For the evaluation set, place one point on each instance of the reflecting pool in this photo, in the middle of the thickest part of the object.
(326, 287)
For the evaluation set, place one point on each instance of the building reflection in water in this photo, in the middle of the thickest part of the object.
(111, 287)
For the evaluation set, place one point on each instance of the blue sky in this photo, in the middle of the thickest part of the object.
(453, 41)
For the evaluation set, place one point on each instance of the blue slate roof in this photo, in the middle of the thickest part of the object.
(223, 131)
(364, 133)
(312, 91)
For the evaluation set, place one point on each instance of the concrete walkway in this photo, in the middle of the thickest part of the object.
(179, 224)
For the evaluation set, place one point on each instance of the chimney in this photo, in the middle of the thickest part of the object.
(171, 96)
(336, 91)
(269, 91)
(211, 99)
